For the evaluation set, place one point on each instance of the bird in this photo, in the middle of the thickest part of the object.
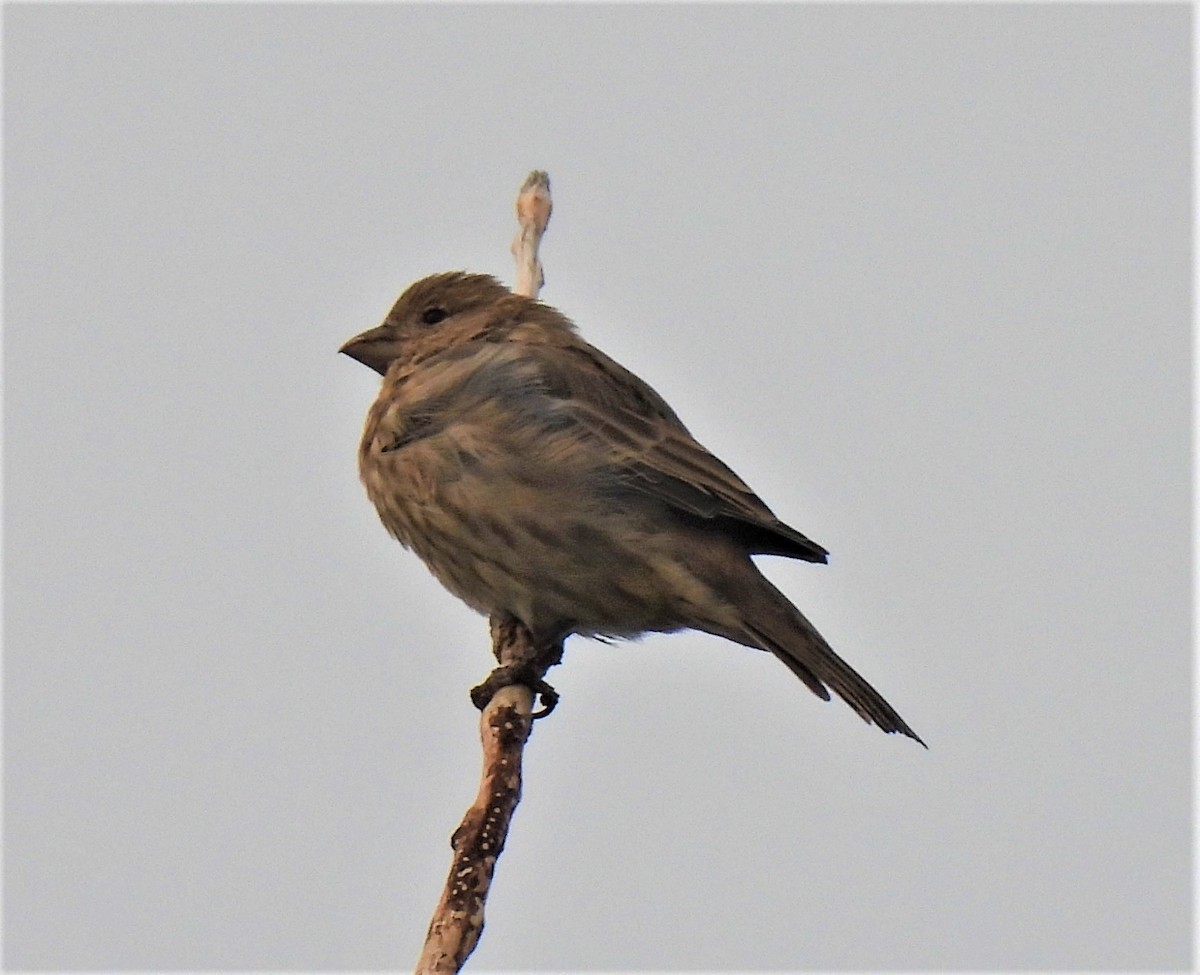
(540, 481)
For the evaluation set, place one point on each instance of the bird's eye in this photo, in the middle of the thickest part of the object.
(431, 316)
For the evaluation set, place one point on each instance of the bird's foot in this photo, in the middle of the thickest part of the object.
(509, 675)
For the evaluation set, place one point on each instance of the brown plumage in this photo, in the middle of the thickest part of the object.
(540, 480)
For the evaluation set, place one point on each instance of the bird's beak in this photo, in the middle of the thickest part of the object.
(374, 348)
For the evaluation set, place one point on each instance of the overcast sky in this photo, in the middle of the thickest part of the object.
(920, 274)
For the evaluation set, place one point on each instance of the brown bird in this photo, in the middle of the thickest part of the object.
(541, 481)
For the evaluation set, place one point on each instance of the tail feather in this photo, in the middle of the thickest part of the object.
(784, 630)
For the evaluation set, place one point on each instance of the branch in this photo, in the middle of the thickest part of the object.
(533, 214)
(507, 718)
(458, 920)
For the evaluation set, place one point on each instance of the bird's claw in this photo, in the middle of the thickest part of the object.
(507, 676)
(548, 696)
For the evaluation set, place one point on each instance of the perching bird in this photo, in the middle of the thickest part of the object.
(541, 481)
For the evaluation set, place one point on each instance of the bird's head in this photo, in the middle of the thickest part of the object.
(431, 312)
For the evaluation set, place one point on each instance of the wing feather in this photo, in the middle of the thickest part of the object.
(654, 451)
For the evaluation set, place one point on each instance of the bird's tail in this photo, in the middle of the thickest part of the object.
(773, 623)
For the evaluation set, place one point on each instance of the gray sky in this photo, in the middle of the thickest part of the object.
(920, 274)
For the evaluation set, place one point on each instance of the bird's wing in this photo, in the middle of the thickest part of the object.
(653, 452)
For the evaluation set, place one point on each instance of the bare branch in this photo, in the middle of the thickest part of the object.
(505, 723)
(458, 921)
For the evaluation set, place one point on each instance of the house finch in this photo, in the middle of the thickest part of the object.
(542, 482)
